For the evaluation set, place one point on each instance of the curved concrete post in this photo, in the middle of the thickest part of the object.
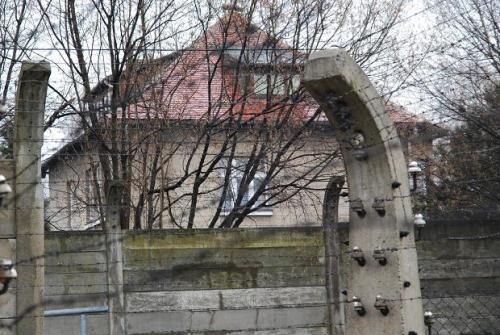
(332, 255)
(381, 217)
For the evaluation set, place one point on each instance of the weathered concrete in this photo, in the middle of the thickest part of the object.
(30, 107)
(7, 246)
(205, 259)
(291, 301)
(248, 281)
(333, 256)
(374, 160)
(97, 324)
(226, 299)
(114, 238)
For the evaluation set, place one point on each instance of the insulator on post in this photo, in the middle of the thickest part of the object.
(414, 168)
(380, 255)
(357, 206)
(358, 306)
(357, 140)
(419, 221)
(7, 273)
(360, 154)
(4, 188)
(358, 255)
(381, 305)
(428, 318)
(379, 206)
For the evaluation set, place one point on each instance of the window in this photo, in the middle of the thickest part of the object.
(71, 202)
(245, 83)
(260, 84)
(237, 174)
(91, 194)
(295, 83)
(278, 83)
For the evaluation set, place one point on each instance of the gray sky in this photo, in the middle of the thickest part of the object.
(416, 26)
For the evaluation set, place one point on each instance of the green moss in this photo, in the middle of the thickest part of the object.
(225, 239)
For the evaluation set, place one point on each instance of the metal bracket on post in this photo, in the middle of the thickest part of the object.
(377, 175)
(379, 206)
(357, 206)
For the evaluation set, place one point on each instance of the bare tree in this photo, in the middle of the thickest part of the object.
(197, 107)
(466, 168)
(100, 44)
(19, 29)
(463, 85)
(257, 142)
(467, 66)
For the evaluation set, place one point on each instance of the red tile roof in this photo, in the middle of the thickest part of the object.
(181, 91)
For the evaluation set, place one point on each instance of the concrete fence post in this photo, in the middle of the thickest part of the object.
(30, 107)
(114, 237)
(336, 316)
(384, 287)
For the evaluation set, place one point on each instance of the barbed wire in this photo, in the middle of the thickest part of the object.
(305, 276)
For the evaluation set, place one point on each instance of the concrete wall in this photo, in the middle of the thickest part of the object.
(260, 281)
(460, 257)
(459, 263)
(75, 276)
(265, 281)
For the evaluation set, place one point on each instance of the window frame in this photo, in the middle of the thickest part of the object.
(233, 189)
(260, 83)
(92, 214)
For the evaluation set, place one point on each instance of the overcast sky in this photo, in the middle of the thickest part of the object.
(416, 25)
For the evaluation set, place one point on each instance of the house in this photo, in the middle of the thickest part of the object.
(217, 135)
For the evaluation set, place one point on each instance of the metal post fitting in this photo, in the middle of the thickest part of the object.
(358, 255)
(7, 273)
(360, 154)
(419, 223)
(381, 305)
(413, 170)
(4, 188)
(428, 318)
(380, 255)
(357, 206)
(358, 306)
(357, 140)
(379, 206)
